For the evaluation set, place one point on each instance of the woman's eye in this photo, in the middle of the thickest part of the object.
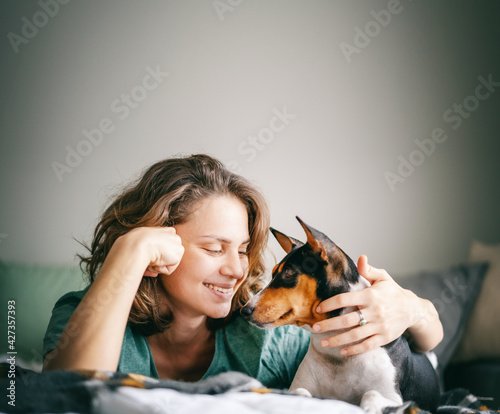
(245, 253)
(213, 251)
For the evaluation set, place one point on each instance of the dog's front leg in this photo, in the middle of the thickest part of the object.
(374, 403)
(304, 381)
(301, 391)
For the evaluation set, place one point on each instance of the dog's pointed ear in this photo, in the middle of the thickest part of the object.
(316, 239)
(286, 242)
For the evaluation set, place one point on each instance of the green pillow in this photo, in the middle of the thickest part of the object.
(35, 289)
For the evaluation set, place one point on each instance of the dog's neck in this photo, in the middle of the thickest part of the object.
(360, 285)
(317, 337)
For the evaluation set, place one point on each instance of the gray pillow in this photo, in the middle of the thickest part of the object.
(453, 292)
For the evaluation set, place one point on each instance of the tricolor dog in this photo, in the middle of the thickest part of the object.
(310, 273)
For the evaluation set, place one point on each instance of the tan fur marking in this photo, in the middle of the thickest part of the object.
(285, 242)
(305, 302)
(324, 255)
(301, 303)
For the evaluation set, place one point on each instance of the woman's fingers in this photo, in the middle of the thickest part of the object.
(367, 345)
(344, 300)
(166, 251)
(153, 271)
(370, 273)
(353, 335)
(345, 321)
(160, 247)
(384, 306)
(362, 337)
(388, 310)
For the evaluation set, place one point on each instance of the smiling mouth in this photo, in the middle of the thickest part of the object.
(218, 288)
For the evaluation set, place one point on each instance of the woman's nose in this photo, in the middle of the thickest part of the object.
(233, 266)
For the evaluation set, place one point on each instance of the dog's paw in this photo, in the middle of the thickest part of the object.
(302, 391)
(400, 409)
(374, 403)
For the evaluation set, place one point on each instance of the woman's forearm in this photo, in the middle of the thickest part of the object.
(93, 336)
(427, 332)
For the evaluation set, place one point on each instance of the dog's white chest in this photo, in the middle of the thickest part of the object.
(347, 379)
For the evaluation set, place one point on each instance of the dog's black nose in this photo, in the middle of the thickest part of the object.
(246, 311)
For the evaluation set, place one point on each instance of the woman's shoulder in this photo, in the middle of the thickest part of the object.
(67, 303)
(135, 355)
(61, 313)
(71, 297)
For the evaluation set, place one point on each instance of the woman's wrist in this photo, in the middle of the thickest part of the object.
(426, 330)
(128, 256)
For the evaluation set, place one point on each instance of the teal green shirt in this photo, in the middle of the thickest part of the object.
(271, 355)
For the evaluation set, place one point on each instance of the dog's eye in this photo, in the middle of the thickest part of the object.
(288, 273)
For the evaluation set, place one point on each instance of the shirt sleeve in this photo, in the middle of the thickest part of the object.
(270, 355)
(282, 354)
(135, 355)
(62, 311)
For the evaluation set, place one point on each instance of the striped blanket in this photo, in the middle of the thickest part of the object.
(109, 392)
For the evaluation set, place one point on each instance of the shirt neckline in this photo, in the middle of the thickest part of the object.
(211, 367)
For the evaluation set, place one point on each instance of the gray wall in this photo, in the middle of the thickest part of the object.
(360, 82)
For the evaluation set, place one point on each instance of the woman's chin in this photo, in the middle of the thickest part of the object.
(219, 313)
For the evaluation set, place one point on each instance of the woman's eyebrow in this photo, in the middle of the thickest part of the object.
(222, 239)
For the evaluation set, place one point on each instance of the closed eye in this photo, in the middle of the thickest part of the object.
(215, 252)
(219, 252)
(244, 249)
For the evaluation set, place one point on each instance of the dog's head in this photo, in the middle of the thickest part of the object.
(310, 273)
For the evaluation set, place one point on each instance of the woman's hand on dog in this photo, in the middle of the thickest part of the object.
(389, 311)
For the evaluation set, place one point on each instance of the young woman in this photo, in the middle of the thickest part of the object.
(172, 261)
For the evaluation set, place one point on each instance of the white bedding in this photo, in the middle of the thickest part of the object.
(128, 400)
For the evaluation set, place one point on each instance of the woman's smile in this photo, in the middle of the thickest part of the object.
(215, 260)
(224, 292)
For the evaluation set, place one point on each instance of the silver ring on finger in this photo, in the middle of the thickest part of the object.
(362, 320)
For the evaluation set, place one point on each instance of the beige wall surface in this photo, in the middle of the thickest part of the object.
(376, 122)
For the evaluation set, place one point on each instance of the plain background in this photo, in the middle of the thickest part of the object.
(231, 65)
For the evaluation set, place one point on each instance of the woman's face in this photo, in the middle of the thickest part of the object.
(215, 261)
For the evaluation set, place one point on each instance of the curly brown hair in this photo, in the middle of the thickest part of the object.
(165, 195)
